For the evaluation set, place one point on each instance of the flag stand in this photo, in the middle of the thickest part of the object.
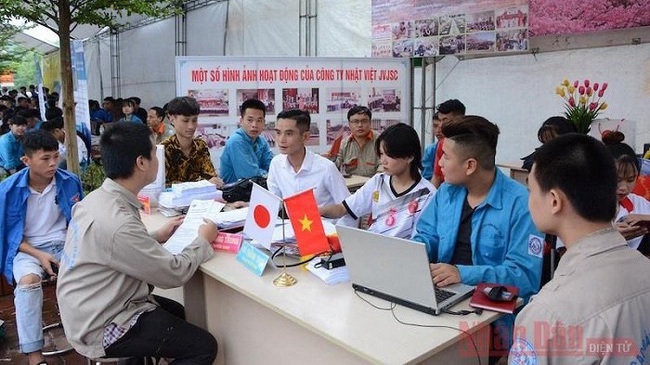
(284, 279)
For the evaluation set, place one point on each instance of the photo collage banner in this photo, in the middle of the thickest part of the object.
(407, 28)
(326, 88)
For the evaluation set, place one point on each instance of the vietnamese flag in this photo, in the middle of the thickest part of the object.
(306, 222)
(262, 212)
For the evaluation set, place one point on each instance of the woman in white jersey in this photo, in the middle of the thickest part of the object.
(395, 198)
(633, 217)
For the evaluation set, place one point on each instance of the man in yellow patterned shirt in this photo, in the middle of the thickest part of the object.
(187, 158)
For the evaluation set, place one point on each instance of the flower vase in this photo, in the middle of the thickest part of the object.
(582, 122)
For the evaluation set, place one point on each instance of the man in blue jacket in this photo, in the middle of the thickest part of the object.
(247, 153)
(478, 227)
(35, 208)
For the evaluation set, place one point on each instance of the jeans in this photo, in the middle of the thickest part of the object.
(28, 299)
(164, 332)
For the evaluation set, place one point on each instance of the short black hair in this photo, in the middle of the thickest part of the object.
(252, 104)
(52, 124)
(402, 141)
(436, 116)
(52, 113)
(18, 120)
(159, 111)
(39, 140)
(582, 168)
(358, 109)
(476, 137)
(302, 118)
(183, 105)
(136, 99)
(553, 127)
(121, 145)
(453, 106)
(624, 155)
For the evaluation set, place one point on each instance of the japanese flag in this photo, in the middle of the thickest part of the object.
(262, 213)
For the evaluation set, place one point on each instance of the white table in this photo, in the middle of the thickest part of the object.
(311, 322)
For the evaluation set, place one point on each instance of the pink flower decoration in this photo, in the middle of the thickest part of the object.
(593, 105)
(586, 83)
(596, 86)
(604, 86)
(572, 101)
(601, 93)
(576, 83)
(581, 90)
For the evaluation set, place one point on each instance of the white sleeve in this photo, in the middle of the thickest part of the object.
(272, 179)
(360, 203)
(336, 184)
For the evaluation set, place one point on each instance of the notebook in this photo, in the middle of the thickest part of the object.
(481, 300)
(396, 270)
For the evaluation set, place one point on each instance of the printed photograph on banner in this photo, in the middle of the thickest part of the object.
(512, 17)
(266, 96)
(381, 125)
(403, 48)
(480, 22)
(481, 42)
(515, 40)
(426, 27)
(337, 129)
(213, 102)
(425, 47)
(381, 32)
(342, 100)
(382, 49)
(452, 44)
(301, 98)
(452, 24)
(384, 100)
(403, 30)
(215, 135)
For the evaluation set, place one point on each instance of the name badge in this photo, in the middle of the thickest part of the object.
(252, 258)
(228, 242)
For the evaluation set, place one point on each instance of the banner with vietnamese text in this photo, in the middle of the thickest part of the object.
(326, 88)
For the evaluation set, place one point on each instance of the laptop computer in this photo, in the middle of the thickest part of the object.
(396, 270)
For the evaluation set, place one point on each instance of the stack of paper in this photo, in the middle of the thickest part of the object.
(193, 188)
(231, 219)
(332, 276)
(168, 200)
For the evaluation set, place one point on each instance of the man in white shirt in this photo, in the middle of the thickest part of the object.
(297, 169)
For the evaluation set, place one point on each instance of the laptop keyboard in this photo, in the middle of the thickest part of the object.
(442, 295)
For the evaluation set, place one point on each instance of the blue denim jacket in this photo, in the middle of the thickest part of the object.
(506, 246)
(14, 192)
(243, 158)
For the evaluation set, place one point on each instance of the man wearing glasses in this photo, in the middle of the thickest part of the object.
(357, 154)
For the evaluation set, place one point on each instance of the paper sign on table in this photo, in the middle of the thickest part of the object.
(252, 258)
(228, 242)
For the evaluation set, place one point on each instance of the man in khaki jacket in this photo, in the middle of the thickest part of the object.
(595, 309)
(110, 264)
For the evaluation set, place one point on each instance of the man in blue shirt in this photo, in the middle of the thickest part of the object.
(429, 156)
(247, 153)
(35, 208)
(10, 148)
(478, 227)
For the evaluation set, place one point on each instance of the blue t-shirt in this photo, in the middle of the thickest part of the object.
(11, 150)
(428, 159)
(243, 158)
